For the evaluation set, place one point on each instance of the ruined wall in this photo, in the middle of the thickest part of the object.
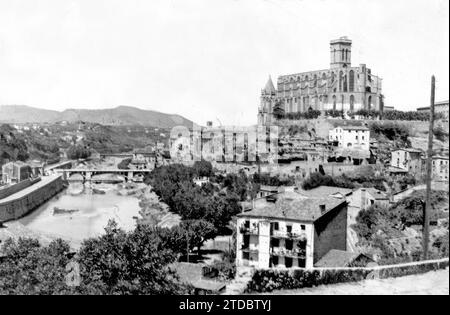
(16, 208)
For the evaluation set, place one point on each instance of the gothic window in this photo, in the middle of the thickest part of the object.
(345, 83)
(342, 52)
(334, 102)
(341, 80)
(351, 81)
(342, 101)
(370, 102)
(332, 77)
(352, 103)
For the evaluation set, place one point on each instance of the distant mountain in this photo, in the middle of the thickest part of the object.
(122, 115)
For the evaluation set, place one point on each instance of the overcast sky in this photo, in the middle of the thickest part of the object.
(208, 60)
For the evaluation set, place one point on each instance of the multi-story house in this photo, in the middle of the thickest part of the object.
(408, 160)
(293, 231)
(439, 168)
(351, 137)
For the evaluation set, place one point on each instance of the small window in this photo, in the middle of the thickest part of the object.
(275, 226)
(274, 242)
(303, 227)
(274, 261)
(289, 244)
(288, 262)
(302, 262)
(289, 228)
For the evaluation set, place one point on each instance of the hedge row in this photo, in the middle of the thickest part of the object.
(267, 280)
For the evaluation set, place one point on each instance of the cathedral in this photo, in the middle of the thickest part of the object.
(341, 87)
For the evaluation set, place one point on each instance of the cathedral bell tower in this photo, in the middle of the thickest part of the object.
(340, 52)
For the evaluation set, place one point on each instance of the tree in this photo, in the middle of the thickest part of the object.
(76, 152)
(124, 164)
(316, 179)
(29, 268)
(203, 168)
(198, 232)
(129, 263)
(278, 110)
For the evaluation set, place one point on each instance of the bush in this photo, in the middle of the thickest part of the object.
(317, 179)
(267, 280)
(123, 165)
(76, 152)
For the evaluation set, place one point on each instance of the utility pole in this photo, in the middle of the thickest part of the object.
(187, 246)
(427, 210)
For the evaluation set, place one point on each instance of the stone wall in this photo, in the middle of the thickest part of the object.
(9, 190)
(16, 208)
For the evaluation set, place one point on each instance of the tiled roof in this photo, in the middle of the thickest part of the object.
(293, 206)
(325, 191)
(336, 258)
(393, 169)
(268, 188)
(355, 128)
(412, 150)
(377, 194)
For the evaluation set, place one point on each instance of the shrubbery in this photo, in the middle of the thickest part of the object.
(76, 152)
(123, 165)
(310, 114)
(268, 280)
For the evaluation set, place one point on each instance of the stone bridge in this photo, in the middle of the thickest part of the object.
(88, 173)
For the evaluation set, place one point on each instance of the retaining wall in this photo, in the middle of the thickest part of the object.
(9, 190)
(15, 208)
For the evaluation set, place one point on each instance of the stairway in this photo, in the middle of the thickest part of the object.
(239, 283)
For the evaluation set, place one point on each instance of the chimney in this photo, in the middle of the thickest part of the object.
(323, 208)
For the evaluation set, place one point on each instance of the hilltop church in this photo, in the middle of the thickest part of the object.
(342, 87)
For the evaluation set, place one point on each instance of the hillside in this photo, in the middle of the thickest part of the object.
(122, 115)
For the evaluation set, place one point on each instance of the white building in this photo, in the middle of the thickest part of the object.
(408, 160)
(440, 170)
(351, 137)
(292, 232)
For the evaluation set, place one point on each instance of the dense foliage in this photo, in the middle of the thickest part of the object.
(117, 262)
(174, 185)
(378, 225)
(334, 113)
(78, 151)
(12, 148)
(310, 114)
(278, 110)
(391, 130)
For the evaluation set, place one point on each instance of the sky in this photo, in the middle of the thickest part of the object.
(209, 59)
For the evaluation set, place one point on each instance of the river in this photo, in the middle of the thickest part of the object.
(93, 213)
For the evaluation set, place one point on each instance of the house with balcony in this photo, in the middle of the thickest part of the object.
(291, 232)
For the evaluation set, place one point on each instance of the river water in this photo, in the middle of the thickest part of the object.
(94, 212)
